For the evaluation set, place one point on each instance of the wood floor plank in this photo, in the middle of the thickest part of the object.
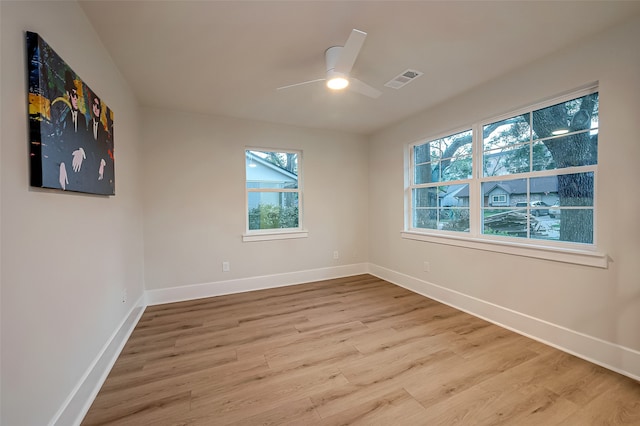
(478, 406)
(397, 407)
(267, 393)
(353, 350)
(299, 412)
(618, 407)
(454, 376)
(151, 411)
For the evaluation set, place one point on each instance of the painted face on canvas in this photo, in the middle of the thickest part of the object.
(96, 107)
(73, 97)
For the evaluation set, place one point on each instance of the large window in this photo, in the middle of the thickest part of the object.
(273, 191)
(528, 176)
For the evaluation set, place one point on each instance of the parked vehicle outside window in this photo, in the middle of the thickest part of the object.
(537, 207)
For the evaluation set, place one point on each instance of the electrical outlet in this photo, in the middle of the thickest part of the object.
(336, 255)
(226, 267)
(124, 295)
(426, 267)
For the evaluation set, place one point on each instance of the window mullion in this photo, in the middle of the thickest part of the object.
(475, 194)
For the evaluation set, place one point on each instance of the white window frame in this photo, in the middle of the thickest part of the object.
(275, 233)
(411, 184)
(576, 253)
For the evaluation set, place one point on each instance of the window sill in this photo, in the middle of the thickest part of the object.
(275, 235)
(556, 254)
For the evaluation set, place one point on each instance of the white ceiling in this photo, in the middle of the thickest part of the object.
(228, 57)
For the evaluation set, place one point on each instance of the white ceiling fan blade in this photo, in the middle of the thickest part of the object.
(350, 51)
(300, 84)
(358, 86)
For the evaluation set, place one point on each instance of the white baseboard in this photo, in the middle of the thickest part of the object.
(612, 356)
(83, 394)
(241, 285)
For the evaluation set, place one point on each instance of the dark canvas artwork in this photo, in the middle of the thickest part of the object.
(70, 128)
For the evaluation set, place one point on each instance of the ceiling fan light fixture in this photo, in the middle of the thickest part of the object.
(339, 61)
(337, 83)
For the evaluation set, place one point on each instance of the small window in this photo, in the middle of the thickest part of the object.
(498, 199)
(273, 191)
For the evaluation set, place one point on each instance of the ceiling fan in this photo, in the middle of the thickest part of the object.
(340, 60)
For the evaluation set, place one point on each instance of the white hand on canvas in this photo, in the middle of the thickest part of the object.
(78, 156)
(101, 170)
(64, 181)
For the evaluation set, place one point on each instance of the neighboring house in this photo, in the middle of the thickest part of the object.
(264, 174)
(504, 194)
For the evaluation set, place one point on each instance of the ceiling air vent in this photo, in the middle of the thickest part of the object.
(403, 79)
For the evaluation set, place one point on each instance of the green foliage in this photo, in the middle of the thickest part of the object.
(269, 216)
(457, 169)
(450, 219)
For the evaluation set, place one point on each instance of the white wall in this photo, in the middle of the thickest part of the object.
(599, 305)
(66, 258)
(194, 199)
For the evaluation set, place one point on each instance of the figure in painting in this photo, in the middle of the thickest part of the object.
(74, 133)
(101, 162)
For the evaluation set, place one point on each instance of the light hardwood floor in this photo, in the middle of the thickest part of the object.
(354, 350)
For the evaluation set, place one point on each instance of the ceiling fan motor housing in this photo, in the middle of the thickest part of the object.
(335, 80)
(331, 56)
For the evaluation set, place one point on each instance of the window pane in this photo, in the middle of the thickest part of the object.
(456, 145)
(543, 191)
(456, 168)
(425, 218)
(579, 118)
(580, 149)
(510, 192)
(575, 189)
(505, 133)
(421, 153)
(443, 159)
(542, 158)
(505, 222)
(442, 207)
(444, 170)
(425, 197)
(447, 219)
(274, 170)
(572, 225)
(505, 161)
(453, 219)
(423, 174)
(453, 195)
(580, 114)
(273, 210)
